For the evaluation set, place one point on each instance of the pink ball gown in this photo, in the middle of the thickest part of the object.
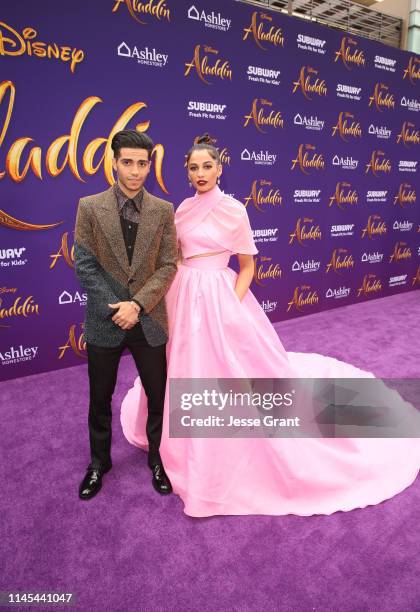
(214, 334)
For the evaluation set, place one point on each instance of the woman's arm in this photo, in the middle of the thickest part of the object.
(245, 276)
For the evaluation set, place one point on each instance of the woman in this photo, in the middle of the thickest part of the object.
(218, 329)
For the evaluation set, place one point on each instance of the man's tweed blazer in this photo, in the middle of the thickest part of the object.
(102, 267)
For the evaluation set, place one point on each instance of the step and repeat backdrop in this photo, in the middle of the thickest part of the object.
(318, 132)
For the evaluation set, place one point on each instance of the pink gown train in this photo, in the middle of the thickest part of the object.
(214, 334)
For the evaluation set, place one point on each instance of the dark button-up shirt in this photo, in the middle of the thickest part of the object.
(129, 211)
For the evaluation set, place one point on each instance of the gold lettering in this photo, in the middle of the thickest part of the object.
(159, 10)
(300, 300)
(63, 252)
(71, 140)
(78, 345)
(19, 309)
(370, 285)
(19, 45)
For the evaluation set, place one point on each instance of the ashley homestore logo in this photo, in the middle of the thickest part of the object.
(146, 56)
(212, 20)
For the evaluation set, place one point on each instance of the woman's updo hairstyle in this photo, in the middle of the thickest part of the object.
(204, 143)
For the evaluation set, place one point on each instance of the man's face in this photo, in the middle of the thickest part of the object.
(132, 167)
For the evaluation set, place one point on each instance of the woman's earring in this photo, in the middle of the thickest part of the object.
(190, 184)
(218, 180)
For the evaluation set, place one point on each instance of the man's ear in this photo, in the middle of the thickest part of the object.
(114, 163)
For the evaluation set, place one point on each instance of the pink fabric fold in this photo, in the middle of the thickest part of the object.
(225, 218)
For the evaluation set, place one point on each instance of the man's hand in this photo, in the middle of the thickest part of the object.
(127, 314)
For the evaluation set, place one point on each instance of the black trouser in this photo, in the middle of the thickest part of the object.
(103, 365)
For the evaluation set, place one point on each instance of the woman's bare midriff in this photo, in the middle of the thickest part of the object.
(205, 255)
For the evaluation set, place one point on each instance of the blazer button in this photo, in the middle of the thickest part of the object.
(130, 281)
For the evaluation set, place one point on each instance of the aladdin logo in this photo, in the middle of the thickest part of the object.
(12, 257)
(347, 163)
(210, 20)
(308, 43)
(268, 306)
(220, 69)
(378, 163)
(77, 298)
(158, 10)
(403, 226)
(374, 227)
(348, 91)
(264, 269)
(303, 297)
(407, 166)
(380, 132)
(381, 97)
(342, 230)
(64, 251)
(147, 56)
(385, 63)
(311, 123)
(349, 54)
(410, 104)
(371, 284)
(412, 72)
(263, 158)
(302, 233)
(18, 355)
(266, 235)
(344, 194)
(309, 86)
(307, 196)
(21, 307)
(260, 198)
(224, 156)
(274, 35)
(401, 252)
(65, 147)
(416, 278)
(75, 342)
(263, 75)
(341, 292)
(372, 258)
(340, 260)
(26, 44)
(376, 196)
(307, 161)
(408, 135)
(347, 127)
(256, 115)
(306, 266)
(406, 195)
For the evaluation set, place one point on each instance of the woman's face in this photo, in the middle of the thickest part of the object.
(203, 171)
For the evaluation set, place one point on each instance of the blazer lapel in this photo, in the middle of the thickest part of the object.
(109, 220)
(150, 217)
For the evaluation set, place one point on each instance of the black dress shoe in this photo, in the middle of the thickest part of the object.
(91, 483)
(161, 482)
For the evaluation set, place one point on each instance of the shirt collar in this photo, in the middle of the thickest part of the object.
(122, 198)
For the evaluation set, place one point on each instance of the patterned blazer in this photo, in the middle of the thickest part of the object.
(102, 266)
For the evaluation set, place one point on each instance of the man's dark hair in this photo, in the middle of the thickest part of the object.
(132, 140)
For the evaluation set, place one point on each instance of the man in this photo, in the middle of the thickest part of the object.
(125, 258)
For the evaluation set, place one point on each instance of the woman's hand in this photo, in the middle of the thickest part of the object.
(245, 276)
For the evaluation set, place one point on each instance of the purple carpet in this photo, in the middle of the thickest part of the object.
(130, 549)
